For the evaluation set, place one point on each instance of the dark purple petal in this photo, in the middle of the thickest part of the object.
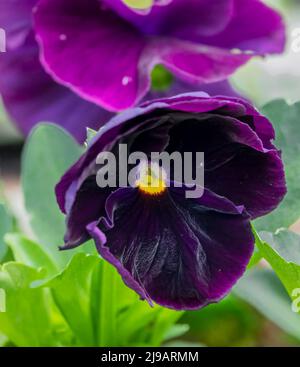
(237, 164)
(90, 200)
(100, 239)
(119, 126)
(251, 178)
(196, 102)
(169, 248)
(260, 124)
(93, 52)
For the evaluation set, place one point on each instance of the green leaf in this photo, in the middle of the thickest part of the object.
(285, 119)
(72, 292)
(262, 289)
(282, 253)
(30, 253)
(48, 152)
(5, 226)
(140, 324)
(3, 340)
(164, 322)
(177, 330)
(28, 320)
(255, 258)
(102, 311)
(106, 282)
(135, 320)
(86, 293)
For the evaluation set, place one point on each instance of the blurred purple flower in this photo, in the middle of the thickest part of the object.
(105, 51)
(101, 51)
(181, 253)
(29, 94)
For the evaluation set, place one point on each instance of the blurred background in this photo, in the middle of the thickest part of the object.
(258, 312)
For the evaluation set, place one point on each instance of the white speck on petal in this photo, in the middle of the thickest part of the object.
(236, 51)
(62, 37)
(249, 52)
(126, 80)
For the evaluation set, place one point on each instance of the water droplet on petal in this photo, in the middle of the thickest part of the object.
(126, 80)
(62, 37)
(236, 51)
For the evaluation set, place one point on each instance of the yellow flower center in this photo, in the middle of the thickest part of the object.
(151, 181)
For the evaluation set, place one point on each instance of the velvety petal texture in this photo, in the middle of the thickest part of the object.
(181, 253)
(200, 41)
(171, 248)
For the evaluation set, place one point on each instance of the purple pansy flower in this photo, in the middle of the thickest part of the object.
(181, 253)
(101, 52)
(105, 51)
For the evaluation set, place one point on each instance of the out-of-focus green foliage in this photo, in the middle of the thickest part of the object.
(285, 119)
(30, 253)
(8, 132)
(86, 304)
(228, 323)
(261, 288)
(255, 259)
(29, 319)
(100, 310)
(5, 226)
(276, 76)
(162, 79)
(283, 253)
(48, 152)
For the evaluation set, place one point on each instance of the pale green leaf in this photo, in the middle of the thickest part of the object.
(285, 119)
(48, 153)
(5, 227)
(30, 253)
(262, 289)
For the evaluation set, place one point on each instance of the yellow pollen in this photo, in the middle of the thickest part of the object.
(150, 184)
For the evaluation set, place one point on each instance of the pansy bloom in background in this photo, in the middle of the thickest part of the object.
(181, 253)
(98, 55)
(30, 95)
